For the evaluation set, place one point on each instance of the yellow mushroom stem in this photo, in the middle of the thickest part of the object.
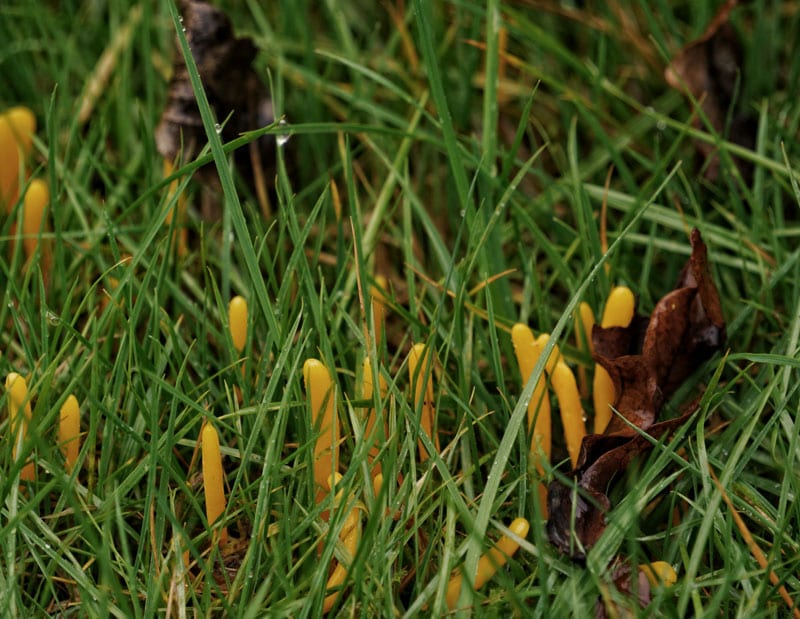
(378, 308)
(37, 197)
(349, 536)
(19, 415)
(212, 478)
(420, 370)
(490, 562)
(659, 573)
(237, 322)
(324, 424)
(584, 322)
(569, 403)
(69, 431)
(17, 126)
(528, 351)
(373, 439)
(179, 211)
(555, 354)
(617, 313)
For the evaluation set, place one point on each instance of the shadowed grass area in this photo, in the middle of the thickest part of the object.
(464, 151)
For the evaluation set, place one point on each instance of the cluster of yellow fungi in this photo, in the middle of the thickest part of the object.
(17, 127)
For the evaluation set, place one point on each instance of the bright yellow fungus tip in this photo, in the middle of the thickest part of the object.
(619, 308)
(420, 372)
(569, 402)
(237, 322)
(212, 478)
(37, 197)
(490, 562)
(324, 423)
(659, 573)
(617, 313)
(69, 430)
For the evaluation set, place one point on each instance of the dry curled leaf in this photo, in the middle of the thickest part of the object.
(709, 70)
(235, 93)
(647, 361)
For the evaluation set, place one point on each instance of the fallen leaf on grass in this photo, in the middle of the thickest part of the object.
(648, 360)
(234, 91)
(709, 70)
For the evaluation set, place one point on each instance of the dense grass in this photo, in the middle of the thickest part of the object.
(473, 180)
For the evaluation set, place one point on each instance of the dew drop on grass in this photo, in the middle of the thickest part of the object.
(218, 128)
(282, 138)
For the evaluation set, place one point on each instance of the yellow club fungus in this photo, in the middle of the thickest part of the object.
(36, 199)
(17, 126)
(237, 322)
(375, 439)
(69, 431)
(19, 415)
(212, 478)
(178, 211)
(324, 423)
(528, 351)
(420, 370)
(349, 536)
(659, 573)
(617, 313)
(584, 322)
(569, 403)
(490, 562)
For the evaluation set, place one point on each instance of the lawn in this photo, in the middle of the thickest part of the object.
(436, 173)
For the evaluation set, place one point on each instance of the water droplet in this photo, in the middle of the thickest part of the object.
(218, 128)
(282, 138)
(53, 318)
(661, 125)
(584, 418)
(462, 213)
(180, 18)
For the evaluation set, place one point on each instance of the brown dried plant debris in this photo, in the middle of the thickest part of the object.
(647, 361)
(709, 70)
(236, 94)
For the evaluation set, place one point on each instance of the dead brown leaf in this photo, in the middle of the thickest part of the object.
(235, 93)
(709, 70)
(647, 361)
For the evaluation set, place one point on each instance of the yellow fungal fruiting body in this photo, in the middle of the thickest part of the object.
(19, 414)
(324, 423)
(178, 210)
(584, 324)
(237, 322)
(617, 313)
(528, 351)
(420, 372)
(367, 390)
(378, 308)
(212, 477)
(490, 562)
(37, 197)
(69, 429)
(17, 127)
(569, 403)
(659, 573)
(350, 536)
